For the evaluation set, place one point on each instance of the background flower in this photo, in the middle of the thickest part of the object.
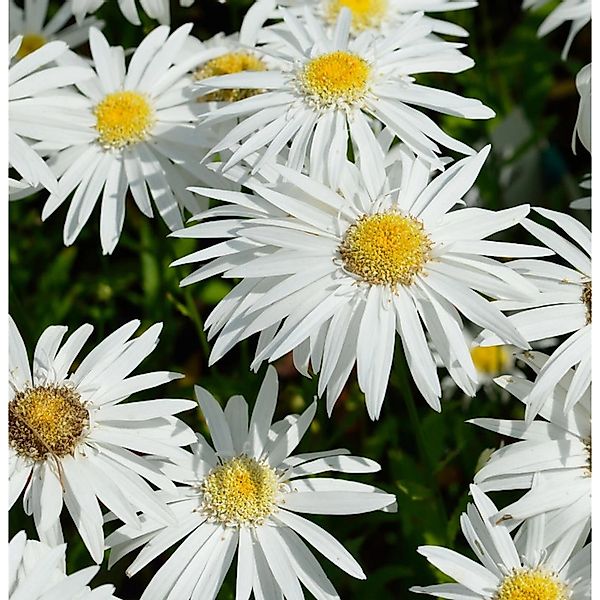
(30, 22)
(37, 571)
(155, 9)
(35, 74)
(578, 12)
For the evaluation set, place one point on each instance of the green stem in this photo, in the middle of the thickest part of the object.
(415, 422)
(197, 320)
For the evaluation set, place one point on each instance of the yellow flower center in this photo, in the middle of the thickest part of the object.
(46, 420)
(532, 584)
(123, 118)
(335, 79)
(30, 43)
(386, 248)
(366, 14)
(491, 361)
(586, 298)
(241, 491)
(233, 62)
(588, 448)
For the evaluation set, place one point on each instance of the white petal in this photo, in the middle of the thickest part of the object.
(217, 424)
(323, 542)
(262, 415)
(375, 349)
(83, 507)
(288, 441)
(462, 569)
(19, 372)
(279, 563)
(306, 567)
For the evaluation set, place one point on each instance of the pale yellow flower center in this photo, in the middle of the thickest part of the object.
(241, 491)
(30, 43)
(386, 248)
(123, 118)
(491, 361)
(532, 584)
(46, 420)
(588, 448)
(586, 298)
(366, 14)
(336, 78)
(232, 62)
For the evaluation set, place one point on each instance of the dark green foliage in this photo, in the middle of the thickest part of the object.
(427, 459)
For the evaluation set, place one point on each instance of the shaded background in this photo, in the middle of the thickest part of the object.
(428, 459)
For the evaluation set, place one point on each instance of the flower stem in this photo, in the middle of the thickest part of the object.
(405, 388)
(197, 320)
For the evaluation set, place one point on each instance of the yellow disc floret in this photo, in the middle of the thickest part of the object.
(30, 43)
(386, 248)
(123, 118)
(532, 584)
(588, 450)
(232, 62)
(492, 360)
(586, 298)
(46, 420)
(366, 14)
(338, 78)
(241, 491)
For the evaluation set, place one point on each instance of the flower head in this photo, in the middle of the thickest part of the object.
(30, 23)
(325, 90)
(551, 457)
(333, 273)
(563, 306)
(577, 11)
(523, 568)
(127, 129)
(29, 77)
(380, 17)
(155, 9)
(244, 495)
(37, 572)
(72, 440)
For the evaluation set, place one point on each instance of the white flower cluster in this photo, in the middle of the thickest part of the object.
(344, 224)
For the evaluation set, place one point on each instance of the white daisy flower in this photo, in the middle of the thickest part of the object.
(583, 125)
(564, 306)
(332, 275)
(378, 16)
(577, 11)
(27, 79)
(556, 451)
(510, 569)
(30, 22)
(155, 9)
(126, 129)
(72, 439)
(245, 495)
(330, 88)
(37, 571)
